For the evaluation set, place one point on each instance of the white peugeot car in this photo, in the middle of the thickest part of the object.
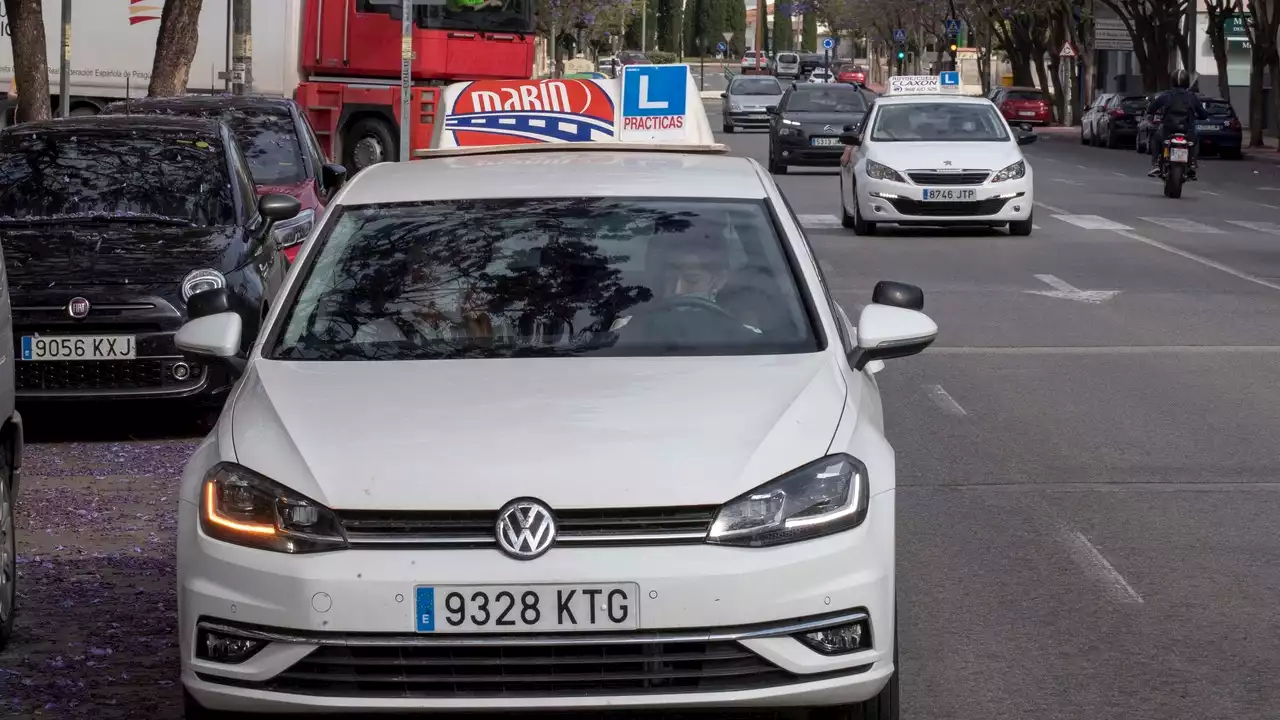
(937, 159)
(549, 430)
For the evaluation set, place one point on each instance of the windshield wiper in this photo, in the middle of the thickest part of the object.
(101, 218)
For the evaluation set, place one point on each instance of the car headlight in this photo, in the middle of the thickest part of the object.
(294, 230)
(876, 171)
(734, 107)
(198, 281)
(1015, 171)
(244, 508)
(824, 497)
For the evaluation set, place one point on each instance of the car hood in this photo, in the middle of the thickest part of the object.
(992, 156)
(573, 432)
(110, 253)
(755, 101)
(837, 121)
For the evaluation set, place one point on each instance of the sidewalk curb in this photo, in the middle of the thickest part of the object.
(710, 94)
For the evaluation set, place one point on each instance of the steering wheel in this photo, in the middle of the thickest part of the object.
(693, 302)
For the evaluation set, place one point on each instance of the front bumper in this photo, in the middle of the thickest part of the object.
(715, 626)
(885, 201)
(799, 150)
(752, 118)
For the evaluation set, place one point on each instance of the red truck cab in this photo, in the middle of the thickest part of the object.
(351, 51)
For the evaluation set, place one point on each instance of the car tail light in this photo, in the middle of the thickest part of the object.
(1233, 123)
(1117, 113)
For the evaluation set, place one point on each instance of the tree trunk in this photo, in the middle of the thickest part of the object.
(1256, 110)
(175, 48)
(31, 63)
(1275, 96)
(1043, 74)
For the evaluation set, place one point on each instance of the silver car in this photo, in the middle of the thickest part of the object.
(748, 99)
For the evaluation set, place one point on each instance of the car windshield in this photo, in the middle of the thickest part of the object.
(938, 122)
(1218, 108)
(755, 86)
(547, 278)
(1137, 103)
(267, 136)
(151, 173)
(1029, 95)
(833, 99)
(788, 58)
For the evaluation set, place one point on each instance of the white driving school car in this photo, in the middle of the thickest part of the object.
(926, 155)
(550, 426)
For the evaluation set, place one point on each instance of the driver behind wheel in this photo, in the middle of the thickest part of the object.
(692, 264)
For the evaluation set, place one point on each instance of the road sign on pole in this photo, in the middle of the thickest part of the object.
(828, 43)
(728, 35)
(1067, 51)
(899, 35)
(722, 47)
(952, 26)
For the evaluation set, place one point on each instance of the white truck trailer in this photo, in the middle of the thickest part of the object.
(113, 43)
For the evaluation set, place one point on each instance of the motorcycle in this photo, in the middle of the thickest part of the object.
(1175, 162)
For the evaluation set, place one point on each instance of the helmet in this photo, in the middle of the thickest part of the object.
(1181, 79)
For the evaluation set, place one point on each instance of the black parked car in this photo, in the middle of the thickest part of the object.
(113, 229)
(1221, 133)
(807, 122)
(1118, 122)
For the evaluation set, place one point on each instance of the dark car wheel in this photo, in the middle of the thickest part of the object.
(728, 128)
(369, 141)
(776, 167)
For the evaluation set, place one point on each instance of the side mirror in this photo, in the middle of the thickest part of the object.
(333, 176)
(724, 96)
(886, 332)
(1026, 138)
(772, 109)
(898, 294)
(276, 207)
(209, 302)
(850, 138)
(215, 336)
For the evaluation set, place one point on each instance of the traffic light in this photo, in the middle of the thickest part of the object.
(953, 46)
(902, 54)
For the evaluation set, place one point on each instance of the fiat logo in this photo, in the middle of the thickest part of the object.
(78, 308)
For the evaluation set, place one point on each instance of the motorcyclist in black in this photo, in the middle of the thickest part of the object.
(1181, 108)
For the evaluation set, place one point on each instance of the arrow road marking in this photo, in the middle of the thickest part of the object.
(1066, 291)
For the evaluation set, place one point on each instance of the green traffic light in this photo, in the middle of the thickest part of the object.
(901, 54)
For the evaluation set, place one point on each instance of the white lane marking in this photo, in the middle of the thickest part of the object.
(1094, 563)
(1035, 227)
(1049, 207)
(1066, 181)
(1273, 207)
(1108, 350)
(1092, 222)
(1262, 227)
(1209, 192)
(1269, 188)
(1083, 167)
(1202, 260)
(819, 222)
(1182, 225)
(943, 399)
(1064, 290)
(1049, 159)
(1118, 174)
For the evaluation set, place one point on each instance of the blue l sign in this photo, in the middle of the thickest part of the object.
(949, 78)
(654, 90)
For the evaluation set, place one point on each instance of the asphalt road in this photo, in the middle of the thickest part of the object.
(1087, 513)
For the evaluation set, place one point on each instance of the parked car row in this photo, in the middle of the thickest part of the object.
(118, 228)
(1120, 119)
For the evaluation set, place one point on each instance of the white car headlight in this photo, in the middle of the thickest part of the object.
(294, 230)
(1015, 171)
(876, 171)
(198, 281)
(735, 107)
(241, 507)
(826, 496)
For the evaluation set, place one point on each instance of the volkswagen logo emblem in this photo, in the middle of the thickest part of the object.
(525, 529)
(78, 308)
